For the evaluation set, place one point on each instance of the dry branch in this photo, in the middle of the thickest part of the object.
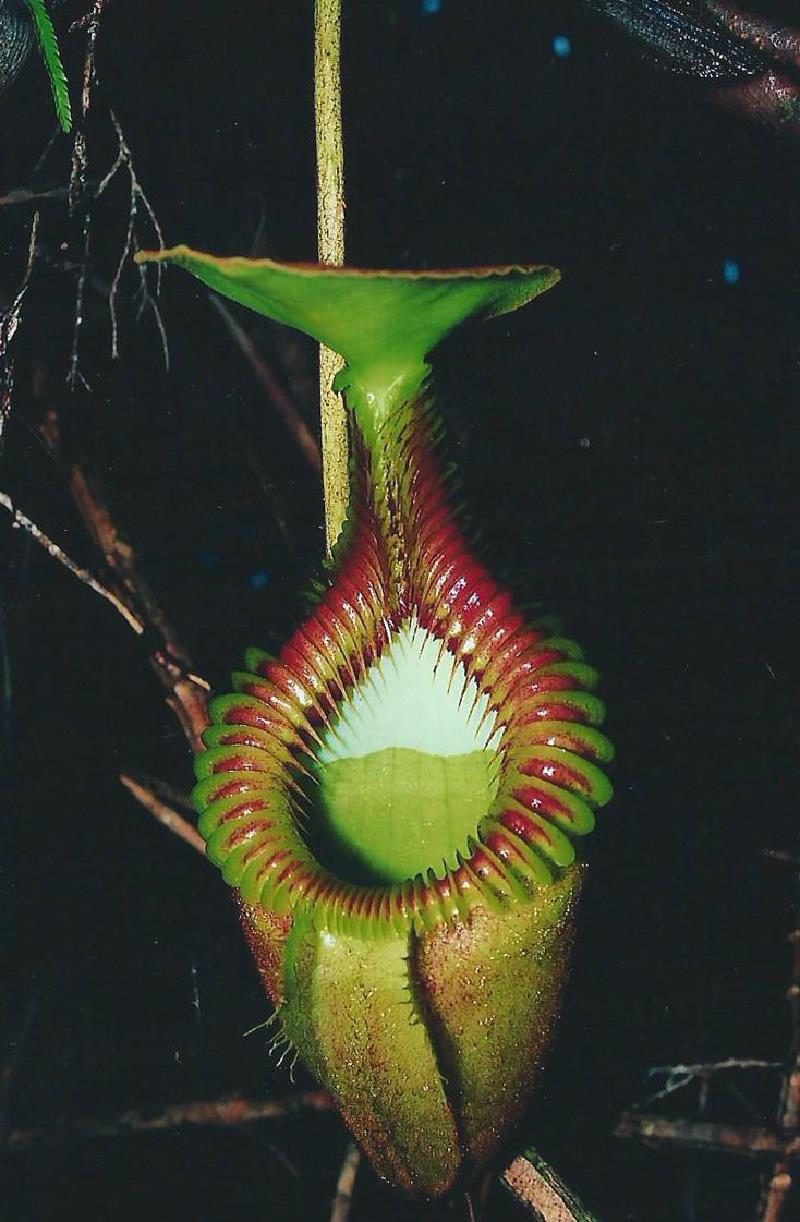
(216, 1113)
(187, 692)
(789, 859)
(26, 195)
(137, 197)
(782, 1180)
(280, 400)
(165, 814)
(678, 1076)
(703, 1135)
(9, 321)
(21, 521)
(340, 1210)
(178, 798)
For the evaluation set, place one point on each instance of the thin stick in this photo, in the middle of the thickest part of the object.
(704, 1135)
(91, 22)
(173, 796)
(782, 856)
(137, 196)
(21, 522)
(541, 1190)
(9, 321)
(330, 249)
(11, 1061)
(340, 1210)
(679, 1076)
(777, 1194)
(165, 814)
(216, 1113)
(275, 392)
(187, 692)
(109, 540)
(24, 195)
(783, 1180)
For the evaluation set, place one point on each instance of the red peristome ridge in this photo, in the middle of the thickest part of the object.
(405, 556)
(544, 803)
(523, 827)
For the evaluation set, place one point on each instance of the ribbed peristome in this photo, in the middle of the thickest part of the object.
(404, 560)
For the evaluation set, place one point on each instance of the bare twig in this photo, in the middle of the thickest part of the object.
(21, 522)
(777, 1193)
(9, 321)
(123, 259)
(145, 297)
(112, 545)
(679, 1076)
(788, 859)
(91, 23)
(340, 1210)
(11, 1059)
(25, 195)
(217, 1113)
(137, 197)
(165, 814)
(187, 691)
(170, 794)
(541, 1190)
(187, 697)
(780, 1144)
(268, 487)
(701, 1135)
(10, 318)
(79, 192)
(73, 373)
(281, 401)
(789, 1111)
(6, 678)
(783, 1178)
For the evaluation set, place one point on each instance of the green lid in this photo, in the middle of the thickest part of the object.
(368, 316)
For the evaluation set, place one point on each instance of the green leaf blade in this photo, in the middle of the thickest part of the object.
(48, 44)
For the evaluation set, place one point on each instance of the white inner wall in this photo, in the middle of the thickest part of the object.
(407, 699)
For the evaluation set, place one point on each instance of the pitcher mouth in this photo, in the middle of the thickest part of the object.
(398, 785)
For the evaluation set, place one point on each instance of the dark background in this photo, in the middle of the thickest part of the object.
(630, 447)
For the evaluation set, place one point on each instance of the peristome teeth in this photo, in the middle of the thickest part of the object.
(417, 695)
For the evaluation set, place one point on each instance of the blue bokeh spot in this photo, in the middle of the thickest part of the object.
(731, 271)
(431, 6)
(562, 46)
(259, 580)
